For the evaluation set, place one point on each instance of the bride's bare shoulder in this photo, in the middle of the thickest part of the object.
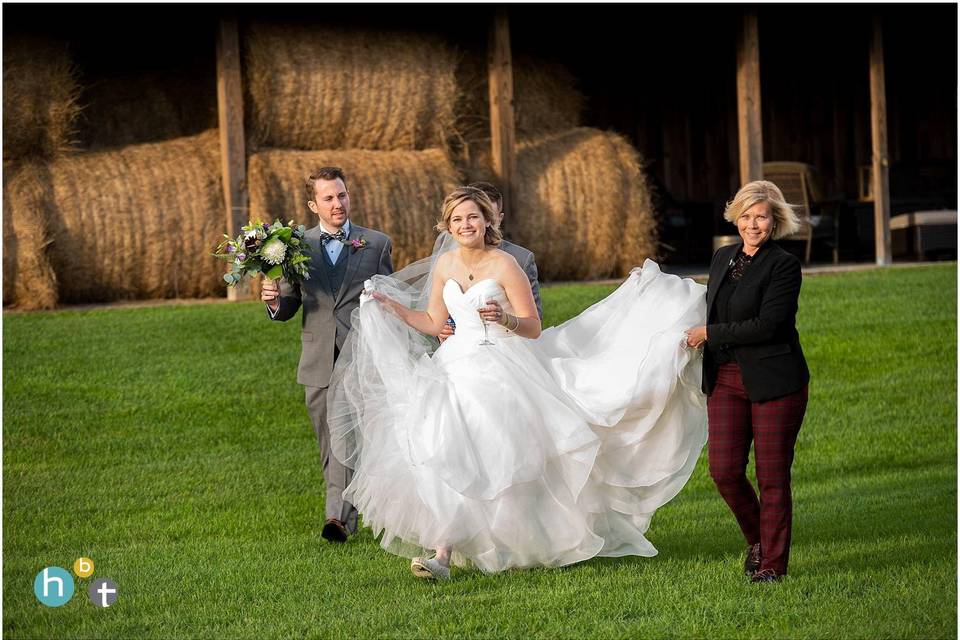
(504, 259)
(506, 265)
(444, 262)
(501, 255)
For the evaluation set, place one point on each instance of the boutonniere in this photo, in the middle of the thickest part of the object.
(355, 245)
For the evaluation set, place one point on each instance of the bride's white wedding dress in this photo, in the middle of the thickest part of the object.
(525, 452)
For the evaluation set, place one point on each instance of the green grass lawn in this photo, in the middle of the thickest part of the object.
(171, 445)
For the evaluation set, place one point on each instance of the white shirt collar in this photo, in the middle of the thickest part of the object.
(345, 227)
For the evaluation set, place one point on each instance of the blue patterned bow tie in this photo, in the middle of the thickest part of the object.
(327, 237)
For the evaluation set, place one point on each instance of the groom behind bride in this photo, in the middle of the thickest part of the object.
(343, 256)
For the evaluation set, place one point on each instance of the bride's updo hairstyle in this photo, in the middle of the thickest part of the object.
(492, 236)
(784, 218)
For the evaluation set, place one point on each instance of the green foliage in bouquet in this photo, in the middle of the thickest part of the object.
(275, 250)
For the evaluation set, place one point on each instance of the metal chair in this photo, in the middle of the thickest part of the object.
(800, 184)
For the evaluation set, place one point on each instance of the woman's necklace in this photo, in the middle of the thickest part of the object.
(470, 269)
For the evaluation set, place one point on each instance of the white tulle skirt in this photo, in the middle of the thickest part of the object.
(526, 452)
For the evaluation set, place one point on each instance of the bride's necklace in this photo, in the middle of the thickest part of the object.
(470, 269)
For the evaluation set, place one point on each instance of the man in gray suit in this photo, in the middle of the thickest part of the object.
(343, 256)
(522, 255)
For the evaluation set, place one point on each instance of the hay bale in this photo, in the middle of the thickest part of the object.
(337, 88)
(40, 93)
(545, 98)
(29, 281)
(396, 192)
(136, 108)
(140, 222)
(583, 204)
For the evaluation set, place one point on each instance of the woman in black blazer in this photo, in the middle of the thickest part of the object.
(754, 373)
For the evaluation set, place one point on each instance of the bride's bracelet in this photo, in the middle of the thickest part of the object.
(505, 322)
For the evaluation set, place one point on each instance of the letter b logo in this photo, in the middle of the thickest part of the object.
(53, 586)
(83, 567)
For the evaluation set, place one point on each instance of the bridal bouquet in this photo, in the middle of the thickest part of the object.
(275, 250)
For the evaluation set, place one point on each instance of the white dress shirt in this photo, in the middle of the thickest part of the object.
(334, 247)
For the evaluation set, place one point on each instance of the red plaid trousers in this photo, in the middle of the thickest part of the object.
(773, 427)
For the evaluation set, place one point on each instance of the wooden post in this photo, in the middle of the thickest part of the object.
(750, 125)
(881, 163)
(502, 129)
(233, 161)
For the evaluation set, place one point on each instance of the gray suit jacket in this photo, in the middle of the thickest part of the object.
(525, 259)
(326, 316)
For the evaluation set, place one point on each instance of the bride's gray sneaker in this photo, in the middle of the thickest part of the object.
(429, 569)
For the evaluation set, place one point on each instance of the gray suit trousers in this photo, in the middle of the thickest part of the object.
(335, 475)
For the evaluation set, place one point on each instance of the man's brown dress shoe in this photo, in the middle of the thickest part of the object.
(767, 575)
(752, 563)
(334, 531)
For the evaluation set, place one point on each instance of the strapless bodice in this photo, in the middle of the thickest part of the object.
(462, 306)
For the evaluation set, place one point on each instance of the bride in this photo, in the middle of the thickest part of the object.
(507, 447)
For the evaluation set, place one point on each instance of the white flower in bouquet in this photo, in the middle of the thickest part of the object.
(274, 251)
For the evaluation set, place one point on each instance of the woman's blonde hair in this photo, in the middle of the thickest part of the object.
(785, 220)
(492, 235)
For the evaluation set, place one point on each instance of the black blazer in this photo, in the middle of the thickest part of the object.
(762, 334)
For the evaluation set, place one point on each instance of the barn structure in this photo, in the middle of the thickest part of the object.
(134, 136)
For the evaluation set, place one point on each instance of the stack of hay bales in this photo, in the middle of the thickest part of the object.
(583, 203)
(40, 92)
(378, 104)
(386, 107)
(137, 210)
(135, 222)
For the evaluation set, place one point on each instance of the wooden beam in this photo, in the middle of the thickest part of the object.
(503, 141)
(233, 161)
(881, 162)
(750, 125)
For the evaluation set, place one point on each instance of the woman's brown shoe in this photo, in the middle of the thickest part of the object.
(767, 575)
(752, 563)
